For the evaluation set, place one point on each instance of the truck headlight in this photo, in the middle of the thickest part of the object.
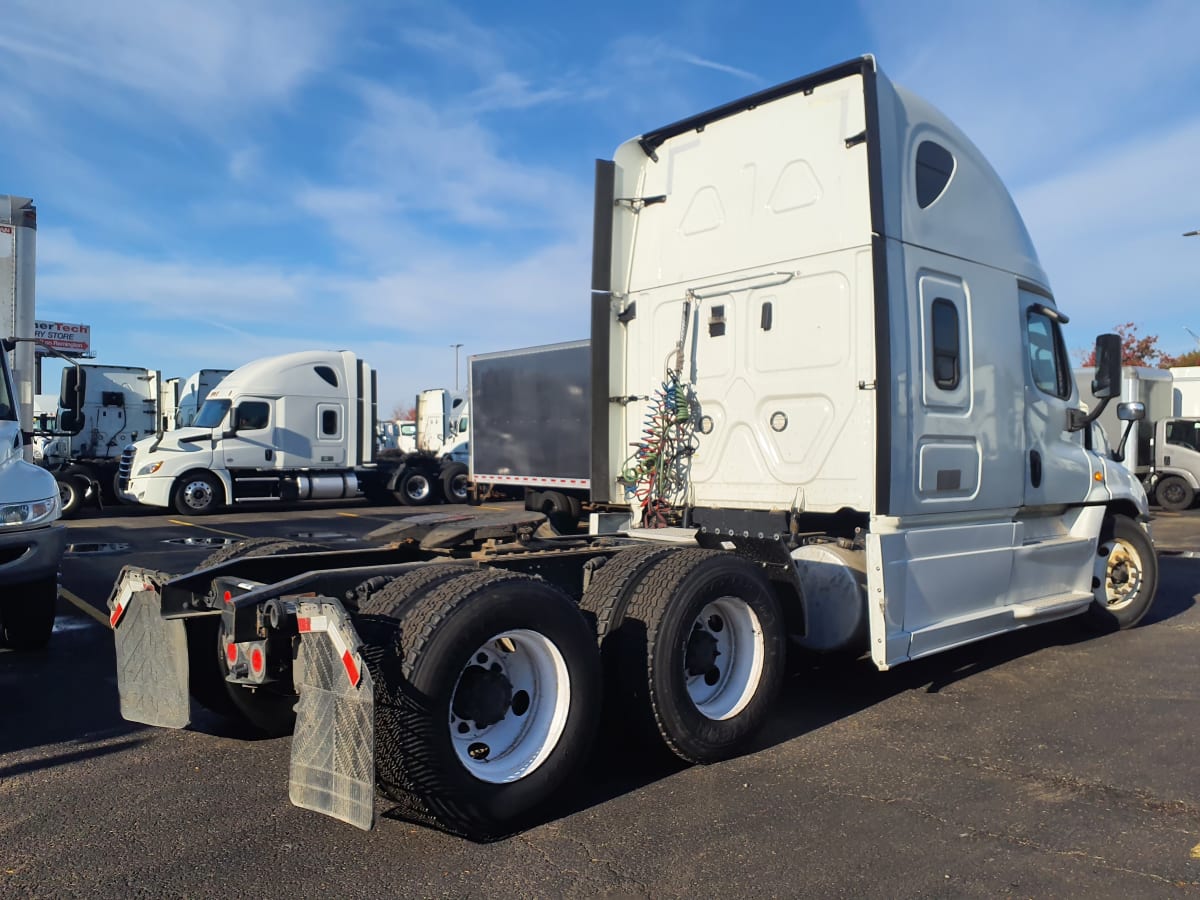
(150, 469)
(13, 514)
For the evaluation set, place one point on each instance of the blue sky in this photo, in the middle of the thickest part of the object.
(225, 180)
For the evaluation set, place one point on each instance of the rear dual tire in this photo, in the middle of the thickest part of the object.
(694, 644)
(487, 690)
(268, 709)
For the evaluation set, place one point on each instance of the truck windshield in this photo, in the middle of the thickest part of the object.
(211, 414)
(8, 408)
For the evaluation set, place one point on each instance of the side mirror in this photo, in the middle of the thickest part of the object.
(1131, 412)
(1107, 382)
(74, 385)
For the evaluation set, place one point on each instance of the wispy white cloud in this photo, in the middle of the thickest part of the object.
(192, 62)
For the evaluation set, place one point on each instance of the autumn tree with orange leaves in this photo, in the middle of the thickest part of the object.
(1144, 351)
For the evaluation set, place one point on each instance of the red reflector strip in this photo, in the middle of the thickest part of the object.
(115, 616)
(304, 625)
(229, 596)
(351, 668)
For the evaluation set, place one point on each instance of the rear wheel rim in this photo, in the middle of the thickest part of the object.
(1173, 492)
(1121, 575)
(509, 706)
(458, 487)
(723, 658)
(417, 487)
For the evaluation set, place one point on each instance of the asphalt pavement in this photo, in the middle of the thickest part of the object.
(1046, 763)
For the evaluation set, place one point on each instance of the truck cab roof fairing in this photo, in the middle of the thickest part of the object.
(974, 216)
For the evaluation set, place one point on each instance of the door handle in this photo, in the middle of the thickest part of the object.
(269, 454)
(1035, 468)
(1166, 460)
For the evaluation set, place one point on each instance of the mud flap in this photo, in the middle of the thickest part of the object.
(152, 657)
(333, 747)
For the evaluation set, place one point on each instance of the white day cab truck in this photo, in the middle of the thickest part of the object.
(300, 426)
(831, 393)
(31, 538)
(1163, 448)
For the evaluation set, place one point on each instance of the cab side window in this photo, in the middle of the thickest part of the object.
(253, 415)
(1047, 355)
(1184, 433)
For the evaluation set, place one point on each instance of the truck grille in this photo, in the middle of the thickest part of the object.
(125, 468)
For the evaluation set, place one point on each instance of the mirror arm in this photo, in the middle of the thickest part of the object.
(1077, 419)
(1119, 453)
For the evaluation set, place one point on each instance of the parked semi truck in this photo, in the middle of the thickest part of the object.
(531, 410)
(101, 410)
(1163, 449)
(31, 538)
(191, 392)
(830, 388)
(295, 427)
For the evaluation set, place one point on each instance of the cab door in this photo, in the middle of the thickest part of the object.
(252, 444)
(1057, 468)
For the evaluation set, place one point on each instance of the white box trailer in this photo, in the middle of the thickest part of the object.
(31, 538)
(829, 381)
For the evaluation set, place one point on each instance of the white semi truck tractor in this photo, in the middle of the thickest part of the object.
(831, 393)
(31, 538)
(300, 426)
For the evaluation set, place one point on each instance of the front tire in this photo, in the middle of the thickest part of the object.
(27, 613)
(198, 494)
(1174, 494)
(1126, 575)
(700, 655)
(486, 702)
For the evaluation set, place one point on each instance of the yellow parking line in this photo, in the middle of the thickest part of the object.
(497, 508)
(207, 528)
(350, 515)
(83, 606)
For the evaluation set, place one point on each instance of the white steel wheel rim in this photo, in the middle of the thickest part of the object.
(532, 722)
(417, 487)
(198, 494)
(727, 634)
(1120, 574)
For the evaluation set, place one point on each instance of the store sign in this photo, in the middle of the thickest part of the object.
(63, 336)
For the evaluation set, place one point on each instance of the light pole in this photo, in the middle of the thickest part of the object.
(456, 346)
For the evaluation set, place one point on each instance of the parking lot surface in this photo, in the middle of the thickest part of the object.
(1047, 763)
